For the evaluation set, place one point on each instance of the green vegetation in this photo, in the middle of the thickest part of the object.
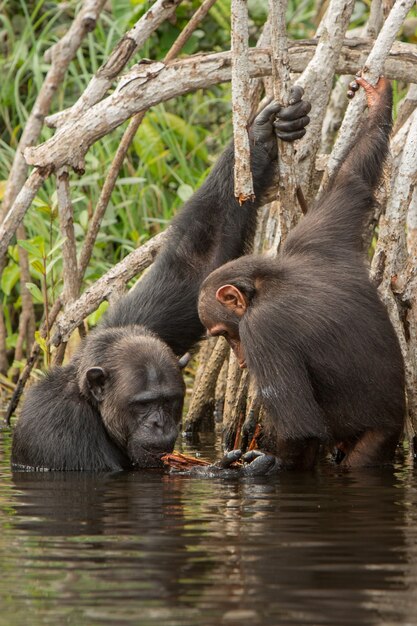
(170, 156)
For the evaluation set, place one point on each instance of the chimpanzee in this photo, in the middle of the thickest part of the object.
(310, 327)
(118, 403)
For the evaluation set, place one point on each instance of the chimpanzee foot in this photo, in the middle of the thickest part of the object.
(373, 94)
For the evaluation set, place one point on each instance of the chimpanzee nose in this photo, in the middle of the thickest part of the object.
(157, 421)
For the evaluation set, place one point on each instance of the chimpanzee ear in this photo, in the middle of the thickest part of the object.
(96, 377)
(232, 298)
(184, 360)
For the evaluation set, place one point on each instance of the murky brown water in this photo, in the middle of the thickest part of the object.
(147, 548)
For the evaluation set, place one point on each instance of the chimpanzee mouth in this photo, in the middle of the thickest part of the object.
(144, 458)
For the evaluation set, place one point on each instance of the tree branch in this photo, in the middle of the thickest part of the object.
(120, 56)
(373, 68)
(241, 101)
(148, 84)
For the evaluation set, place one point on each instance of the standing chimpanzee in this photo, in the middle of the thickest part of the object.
(118, 403)
(309, 324)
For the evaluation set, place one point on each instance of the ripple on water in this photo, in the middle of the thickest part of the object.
(148, 548)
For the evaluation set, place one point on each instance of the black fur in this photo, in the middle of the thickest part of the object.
(211, 229)
(118, 403)
(63, 425)
(315, 334)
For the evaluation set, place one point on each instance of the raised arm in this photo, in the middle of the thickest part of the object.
(335, 223)
(211, 229)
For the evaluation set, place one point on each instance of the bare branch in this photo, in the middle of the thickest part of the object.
(60, 56)
(392, 245)
(127, 139)
(15, 216)
(121, 55)
(148, 84)
(188, 30)
(241, 100)
(69, 252)
(287, 183)
(373, 68)
(317, 81)
(203, 394)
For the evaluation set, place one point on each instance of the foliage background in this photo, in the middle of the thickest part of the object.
(173, 150)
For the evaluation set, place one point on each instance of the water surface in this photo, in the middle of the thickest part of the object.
(151, 548)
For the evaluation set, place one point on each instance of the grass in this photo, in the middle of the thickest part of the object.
(171, 154)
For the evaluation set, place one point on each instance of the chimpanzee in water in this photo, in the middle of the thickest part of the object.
(310, 327)
(118, 403)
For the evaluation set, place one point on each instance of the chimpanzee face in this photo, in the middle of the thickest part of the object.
(140, 396)
(221, 312)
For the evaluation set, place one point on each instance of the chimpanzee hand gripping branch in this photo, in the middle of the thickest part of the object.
(118, 403)
(309, 324)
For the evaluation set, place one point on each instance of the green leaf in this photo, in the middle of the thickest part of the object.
(51, 264)
(41, 341)
(185, 192)
(10, 277)
(38, 266)
(57, 246)
(83, 219)
(36, 292)
(31, 248)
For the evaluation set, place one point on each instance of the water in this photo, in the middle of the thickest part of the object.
(149, 548)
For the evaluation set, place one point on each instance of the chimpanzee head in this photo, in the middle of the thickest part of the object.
(225, 297)
(134, 380)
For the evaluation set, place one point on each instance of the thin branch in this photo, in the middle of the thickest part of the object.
(317, 81)
(392, 244)
(60, 56)
(281, 80)
(241, 101)
(338, 102)
(127, 139)
(234, 374)
(373, 68)
(120, 56)
(69, 250)
(17, 212)
(188, 30)
(30, 363)
(204, 393)
(27, 325)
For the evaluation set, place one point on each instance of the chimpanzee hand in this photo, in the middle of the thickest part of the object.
(255, 463)
(374, 93)
(286, 123)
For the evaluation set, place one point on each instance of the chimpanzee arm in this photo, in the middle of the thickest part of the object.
(365, 160)
(335, 224)
(211, 229)
(275, 358)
